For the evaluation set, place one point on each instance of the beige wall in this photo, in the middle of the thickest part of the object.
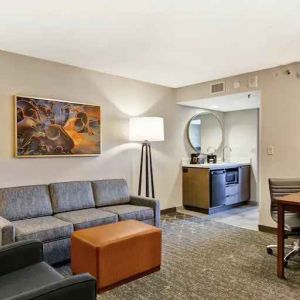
(279, 124)
(119, 98)
(241, 134)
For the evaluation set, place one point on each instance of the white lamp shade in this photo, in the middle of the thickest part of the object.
(146, 129)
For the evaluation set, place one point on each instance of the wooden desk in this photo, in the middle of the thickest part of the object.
(289, 202)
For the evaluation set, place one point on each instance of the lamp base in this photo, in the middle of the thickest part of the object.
(146, 148)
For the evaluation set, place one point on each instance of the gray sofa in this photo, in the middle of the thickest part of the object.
(50, 213)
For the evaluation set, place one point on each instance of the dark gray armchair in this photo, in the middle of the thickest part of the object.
(24, 275)
(280, 187)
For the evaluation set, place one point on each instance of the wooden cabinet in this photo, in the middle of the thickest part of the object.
(196, 190)
(199, 189)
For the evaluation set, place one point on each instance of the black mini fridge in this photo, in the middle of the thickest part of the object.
(217, 187)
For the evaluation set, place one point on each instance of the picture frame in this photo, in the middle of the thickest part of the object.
(47, 127)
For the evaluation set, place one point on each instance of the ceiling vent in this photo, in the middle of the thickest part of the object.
(218, 87)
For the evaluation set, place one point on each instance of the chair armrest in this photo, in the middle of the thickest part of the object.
(7, 232)
(152, 203)
(20, 255)
(78, 287)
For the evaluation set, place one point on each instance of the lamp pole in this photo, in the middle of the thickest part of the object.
(146, 147)
(146, 130)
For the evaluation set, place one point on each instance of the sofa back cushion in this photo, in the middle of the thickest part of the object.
(67, 196)
(110, 192)
(18, 203)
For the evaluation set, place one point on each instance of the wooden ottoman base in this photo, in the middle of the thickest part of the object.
(132, 278)
(117, 252)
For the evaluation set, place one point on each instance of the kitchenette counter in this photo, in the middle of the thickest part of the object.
(210, 188)
(225, 165)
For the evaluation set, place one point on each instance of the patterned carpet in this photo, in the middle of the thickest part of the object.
(204, 259)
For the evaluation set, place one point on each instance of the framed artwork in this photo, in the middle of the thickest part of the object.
(47, 127)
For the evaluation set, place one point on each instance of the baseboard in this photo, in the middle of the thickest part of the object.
(267, 229)
(168, 210)
(213, 210)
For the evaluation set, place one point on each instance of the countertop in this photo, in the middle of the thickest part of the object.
(225, 165)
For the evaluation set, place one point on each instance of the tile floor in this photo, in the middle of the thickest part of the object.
(245, 216)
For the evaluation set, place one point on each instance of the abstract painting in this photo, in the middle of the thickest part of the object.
(47, 127)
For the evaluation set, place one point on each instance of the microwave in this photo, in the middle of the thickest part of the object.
(232, 176)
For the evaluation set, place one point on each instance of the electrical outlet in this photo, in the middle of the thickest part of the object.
(270, 150)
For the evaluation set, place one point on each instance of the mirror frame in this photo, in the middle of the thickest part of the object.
(221, 126)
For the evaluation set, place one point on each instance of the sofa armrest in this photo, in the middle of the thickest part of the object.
(20, 255)
(7, 232)
(152, 203)
(77, 287)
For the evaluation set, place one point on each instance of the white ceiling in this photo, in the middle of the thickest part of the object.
(169, 42)
(233, 102)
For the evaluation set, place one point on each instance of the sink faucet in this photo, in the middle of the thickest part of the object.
(224, 148)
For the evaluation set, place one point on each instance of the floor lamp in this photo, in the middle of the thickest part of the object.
(146, 130)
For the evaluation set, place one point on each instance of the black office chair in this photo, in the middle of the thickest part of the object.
(281, 187)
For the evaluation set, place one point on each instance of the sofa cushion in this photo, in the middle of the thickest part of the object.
(24, 202)
(67, 196)
(27, 279)
(128, 211)
(87, 218)
(44, 229)
(110, 192)
(57, 251)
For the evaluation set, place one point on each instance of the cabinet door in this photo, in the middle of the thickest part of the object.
(244, 183)
(232, 194)
(195, 187)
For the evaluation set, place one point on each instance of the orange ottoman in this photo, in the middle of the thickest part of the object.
(116, 252)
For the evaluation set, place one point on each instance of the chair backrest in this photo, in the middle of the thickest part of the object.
(281, 187)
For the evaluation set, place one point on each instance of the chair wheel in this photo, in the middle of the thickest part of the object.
(270, 251)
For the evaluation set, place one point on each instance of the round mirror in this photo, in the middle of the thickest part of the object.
(205, 133)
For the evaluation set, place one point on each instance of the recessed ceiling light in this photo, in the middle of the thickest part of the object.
(214, 106)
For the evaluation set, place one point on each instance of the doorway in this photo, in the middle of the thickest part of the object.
(240, 117)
